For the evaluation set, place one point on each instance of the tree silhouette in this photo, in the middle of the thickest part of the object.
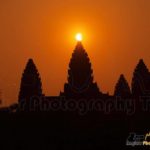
(122, 88)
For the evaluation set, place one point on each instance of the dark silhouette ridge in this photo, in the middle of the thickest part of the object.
(80, 76)
(80, 84)
(40, 126)
(31, 85)
(141, 80)
(122, 88)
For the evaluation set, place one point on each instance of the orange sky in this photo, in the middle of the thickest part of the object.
(116, 34)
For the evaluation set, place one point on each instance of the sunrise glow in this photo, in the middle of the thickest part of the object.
(79, 37)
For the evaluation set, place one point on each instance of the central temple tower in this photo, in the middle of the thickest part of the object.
(80, 76)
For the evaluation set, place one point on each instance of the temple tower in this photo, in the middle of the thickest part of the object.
(80, 76)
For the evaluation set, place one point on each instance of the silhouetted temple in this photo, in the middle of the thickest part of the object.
(80, 76)
(141, 80)
(82, 117)
(122, 88)
(31, 85)
(81, 84)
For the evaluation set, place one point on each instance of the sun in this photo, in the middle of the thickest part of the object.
(78, 37)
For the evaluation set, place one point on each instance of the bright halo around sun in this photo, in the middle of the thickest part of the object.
(79, 37)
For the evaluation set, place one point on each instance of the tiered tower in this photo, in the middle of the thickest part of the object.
(80, 76)
(122, 88)
(30, 83)
(141, 80)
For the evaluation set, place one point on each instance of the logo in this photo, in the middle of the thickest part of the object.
(147, 139)
(138, 139)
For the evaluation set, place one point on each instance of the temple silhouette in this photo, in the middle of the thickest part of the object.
(81, 117)
(80, 76)
(81, 85)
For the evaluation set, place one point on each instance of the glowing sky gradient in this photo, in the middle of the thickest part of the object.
(116, 35)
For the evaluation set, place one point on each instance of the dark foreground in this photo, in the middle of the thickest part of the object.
(69, 131)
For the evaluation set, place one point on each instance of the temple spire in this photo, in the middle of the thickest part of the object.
(79, 46)
(122, 88)
(30, 83)
(80, 73)
(141, 80)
